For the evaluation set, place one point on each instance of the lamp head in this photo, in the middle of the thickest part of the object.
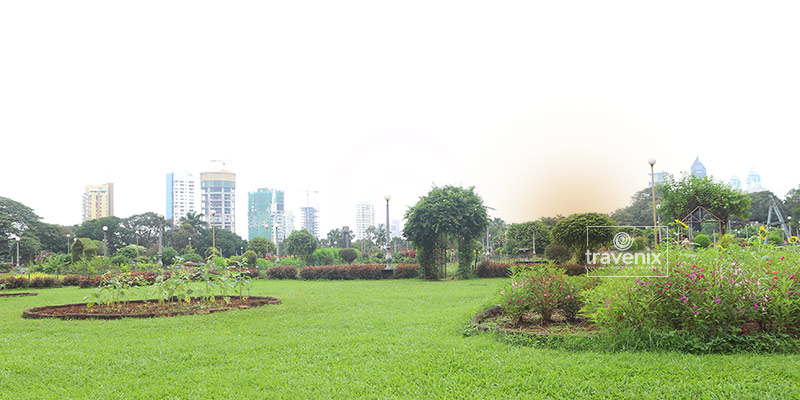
(651, 161)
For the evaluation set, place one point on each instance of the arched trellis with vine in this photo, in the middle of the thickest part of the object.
(444, 213)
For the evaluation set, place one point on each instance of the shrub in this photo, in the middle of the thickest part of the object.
(326, 256)
(342, 272)
(488, 269)
(702, 241)
(192, 257)
(251, 258)
(559, 254)
(88, 282)
(45, 282)
(348, 255)
(71, 280)
(248, 272)
(278, 272)
(406, 271)
(15, 282)
(573, 269)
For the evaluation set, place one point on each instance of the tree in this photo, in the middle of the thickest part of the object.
(683, 196)
(145, 227)
(84, 249)
(227, 242)
(520, 236)
(640, 211)
(760, 203)
(15, 220)
(261, 246)
(792, 205)
(446, 211)
(301, 243)
(118, 235)
(335, 238)
(53, 238)
(381, 235)
(169, 256)
(580, 233)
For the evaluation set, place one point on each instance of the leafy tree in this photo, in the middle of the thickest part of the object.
(572, 233)
(83, 249)
(193, 222)
(792, 205)
(640, 211)
(759, 209)
(261, 246)
(334, 238)
(520, 236)
(118, 235)
(169, 256)
(146, 227)
(683, 196)
(132, 252)
(15, 219)
(445, 211)
(348, 255)
(551, 221)
(301, 243)
(559, 254)
(227, 242)
(326, 256)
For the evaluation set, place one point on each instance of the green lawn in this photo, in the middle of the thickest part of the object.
(346, 339)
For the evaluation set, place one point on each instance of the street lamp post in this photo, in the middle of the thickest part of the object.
(277, 247)
(105, 241)
(388, 236)
(17, 251)
(213, 237)
(68, 236)
(652, 162)
(160, 231)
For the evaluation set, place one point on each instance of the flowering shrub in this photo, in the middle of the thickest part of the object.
(543, 290)
(708, 292)
(45, 282)
(71, 280)
(13, 282)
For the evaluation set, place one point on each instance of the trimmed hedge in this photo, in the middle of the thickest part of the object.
(15, 282)
(342, 272)
(45, 282)
(488, 269)
(72, 280)
(286, 272)
(406, 271)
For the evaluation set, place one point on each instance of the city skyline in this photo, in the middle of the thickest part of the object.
(545, 108)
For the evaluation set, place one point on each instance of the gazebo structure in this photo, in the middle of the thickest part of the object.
(698, 217)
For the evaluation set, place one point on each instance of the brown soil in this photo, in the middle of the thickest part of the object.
(18, 294)
(493, 319)
(146, 308)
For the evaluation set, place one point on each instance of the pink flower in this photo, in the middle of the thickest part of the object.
(717, 300)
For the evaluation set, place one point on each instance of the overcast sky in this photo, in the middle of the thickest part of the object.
(545, 107)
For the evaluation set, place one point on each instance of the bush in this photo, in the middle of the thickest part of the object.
(45, 282)
(702, 241)
(573, 269)
(72, 280)
(14, 282)
(287, 272)
(248, 272)
(488, 269)
(342, 272)
(326, 256)
(559, 254)
(192, 257)
(406, 271)
(348, 255)
(251, 258)
(263, 263)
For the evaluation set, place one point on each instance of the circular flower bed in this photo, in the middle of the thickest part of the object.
(18, 294)
(148, 308)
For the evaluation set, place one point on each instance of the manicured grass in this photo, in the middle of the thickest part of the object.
(346, 339)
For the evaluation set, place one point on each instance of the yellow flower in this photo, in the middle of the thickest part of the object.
(793, 239)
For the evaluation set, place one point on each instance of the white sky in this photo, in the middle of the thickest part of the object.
(545, 107)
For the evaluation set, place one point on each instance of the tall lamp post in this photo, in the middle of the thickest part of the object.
(68, 236)
(652, 162)
(160, 234)
(105, 241)
(213, 237)
(388, 235)
(17, 251)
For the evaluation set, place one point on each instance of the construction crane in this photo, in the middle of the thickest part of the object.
(307, 194)
(221, 161)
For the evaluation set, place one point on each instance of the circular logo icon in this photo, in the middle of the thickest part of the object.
(623, 241)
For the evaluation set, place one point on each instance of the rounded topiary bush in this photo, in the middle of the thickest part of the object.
(557, 253)
(702, 241)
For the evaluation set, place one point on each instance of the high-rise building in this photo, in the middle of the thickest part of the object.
(396, 228)
(283, 225)
(180, 195)
(218, 194)
(698, 169)
(735, 182)
(310, 220)
(365, 217)
(98, 201)
(754, 181)
(259, 214)
(657, 177)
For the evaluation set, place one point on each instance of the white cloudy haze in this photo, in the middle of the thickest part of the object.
(545, 107)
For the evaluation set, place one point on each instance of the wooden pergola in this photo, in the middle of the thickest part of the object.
(699, 216)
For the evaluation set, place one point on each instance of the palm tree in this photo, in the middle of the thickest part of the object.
(192, 221)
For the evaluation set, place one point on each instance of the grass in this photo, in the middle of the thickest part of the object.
(347, 339)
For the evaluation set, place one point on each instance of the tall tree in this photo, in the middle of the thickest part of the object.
(118, 235)
(261, 246)
(145, 227)
(582, 233)
(302, 243)
(521, 236)
(640, 211)
(446, 211)
(16, 220)
(681, 197)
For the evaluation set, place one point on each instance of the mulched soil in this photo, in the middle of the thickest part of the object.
(147, 308)
(18, 294)
(494, 319)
